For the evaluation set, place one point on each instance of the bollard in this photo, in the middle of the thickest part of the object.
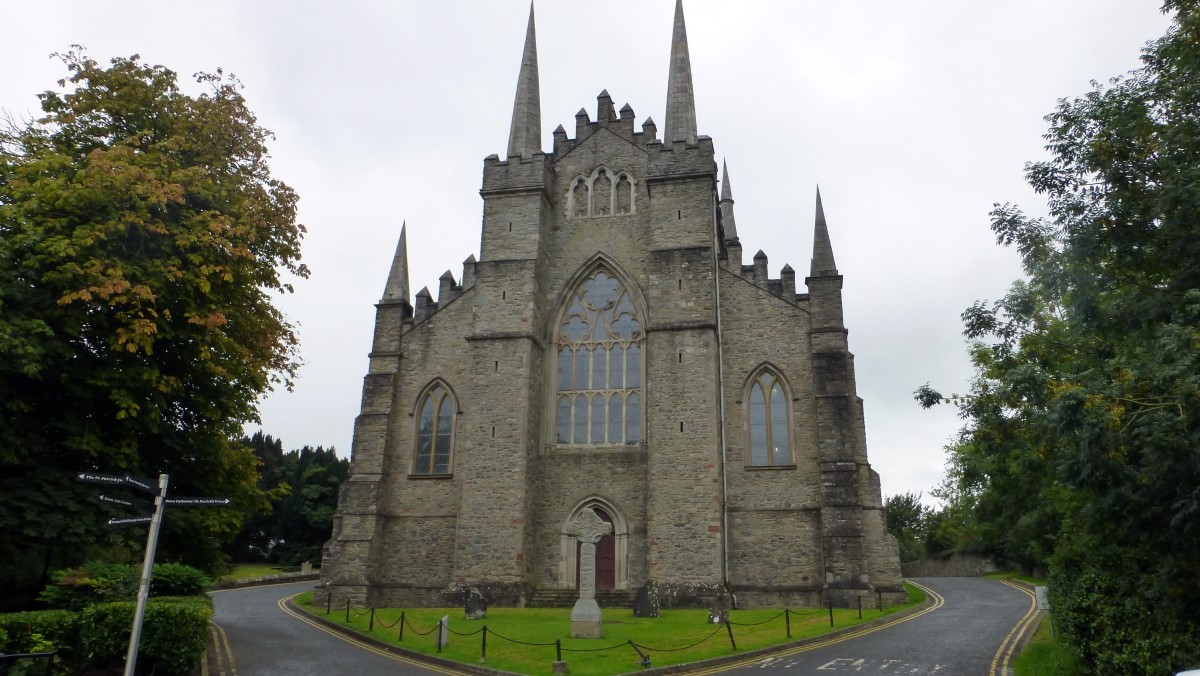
(860, 607)
(401, 636)
(729, 629)
(371, 622)
(787, 621)
(328, 599)
(439, 636)
(347, 611)
(483, 649)
(831, 612)
(558, 648)
(643, 657)
(880, 595)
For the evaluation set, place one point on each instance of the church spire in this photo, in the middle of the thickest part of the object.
(681, 101)
(822, 257)
(397, 282)
(727, 221)
(525, 135)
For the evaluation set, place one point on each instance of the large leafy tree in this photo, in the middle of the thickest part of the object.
(1082, 442)
(141, 238)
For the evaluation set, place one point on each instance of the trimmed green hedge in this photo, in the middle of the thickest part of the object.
(174, 634)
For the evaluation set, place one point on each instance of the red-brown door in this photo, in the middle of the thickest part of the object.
(606, 557)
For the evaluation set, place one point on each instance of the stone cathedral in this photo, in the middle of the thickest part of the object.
(610, 351)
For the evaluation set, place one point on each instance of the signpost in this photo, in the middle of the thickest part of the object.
(155, 520)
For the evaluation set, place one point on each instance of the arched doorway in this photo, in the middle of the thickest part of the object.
(606, 556)
(611, 551)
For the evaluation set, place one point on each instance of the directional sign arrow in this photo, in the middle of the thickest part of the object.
(132, 504)
(129, 521)
(144, 484)
(110, 479)
(199, 502)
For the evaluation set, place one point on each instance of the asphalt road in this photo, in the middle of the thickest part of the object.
(254, 636)
(972, 629)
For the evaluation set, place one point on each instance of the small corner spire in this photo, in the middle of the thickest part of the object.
(681, 100)
(728, 223)
(822, 257)
(525, 135)
(397, 282)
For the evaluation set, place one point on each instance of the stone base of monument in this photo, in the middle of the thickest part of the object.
(585, 619)
(561, 668)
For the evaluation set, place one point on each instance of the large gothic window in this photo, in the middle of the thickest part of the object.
(599, 391)
(768, 412)
(435, 431)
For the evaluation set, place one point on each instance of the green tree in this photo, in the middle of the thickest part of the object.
(141, 235)
(303, 485)
(907, 520)
(1082, 428)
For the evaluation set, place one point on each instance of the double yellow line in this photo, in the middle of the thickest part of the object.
(224, 654)
(1009, 645)
(938, 602)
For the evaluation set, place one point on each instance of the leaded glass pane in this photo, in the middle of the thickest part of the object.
(599, 368)
(633, 367)
(626, 327)
(780, 453)
(615, 419)
(616, 367)
(633, 418)
(564, 369)
(597, 419)
(757, 410)
(581, 421)
(441, 463)
(564, 420)
(574, 330)
(581, 369)
(445, 416)
(600, 291)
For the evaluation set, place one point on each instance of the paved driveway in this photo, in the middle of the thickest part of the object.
(971, 629)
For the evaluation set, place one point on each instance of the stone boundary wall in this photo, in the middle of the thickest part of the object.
(955, 565)
(262, 580)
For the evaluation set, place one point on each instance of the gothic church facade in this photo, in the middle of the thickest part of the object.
(609, 351)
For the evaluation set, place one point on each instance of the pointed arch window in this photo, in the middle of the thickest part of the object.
(603, 193)
(768, 412)
(599, 372)
(435, 415)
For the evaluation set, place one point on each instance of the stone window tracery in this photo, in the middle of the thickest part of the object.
(599, 371)
(604, 193)
(435, 414)
(768, 420)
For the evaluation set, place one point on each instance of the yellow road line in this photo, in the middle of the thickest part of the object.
(224, 651)
(1005, 652)
(364, 645)
(938, 602)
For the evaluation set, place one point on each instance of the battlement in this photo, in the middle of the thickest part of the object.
(515, 174)
(756, 273)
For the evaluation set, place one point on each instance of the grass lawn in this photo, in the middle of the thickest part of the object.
(677, 636)
(242, 571)
(1045, 656)
(1015, 575)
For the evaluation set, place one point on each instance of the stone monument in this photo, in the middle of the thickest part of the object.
(588, 528)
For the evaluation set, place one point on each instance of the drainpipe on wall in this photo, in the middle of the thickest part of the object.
(716, 268)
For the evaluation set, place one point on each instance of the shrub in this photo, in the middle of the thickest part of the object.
(176, 579)
(41, 631)
(93, 582)
(174, 633)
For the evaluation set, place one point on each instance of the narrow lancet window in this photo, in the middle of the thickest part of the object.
(435, 431)
(768, 415)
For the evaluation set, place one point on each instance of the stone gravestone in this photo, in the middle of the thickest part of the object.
(719, 613)
(475, 606)
(645, 604)
(443, 630)
(588, 527)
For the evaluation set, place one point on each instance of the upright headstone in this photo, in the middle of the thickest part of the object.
(306, 567)
(443, 632)
(475, 606)
(645, 604)
(588, 527)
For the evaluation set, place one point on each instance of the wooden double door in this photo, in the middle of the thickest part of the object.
(606, 557)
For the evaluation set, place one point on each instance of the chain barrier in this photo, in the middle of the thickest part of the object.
(594, 650)
(672, 650)
(755, 624)
(385, 625)
(457, 633)
(422, 633)
(513, 640)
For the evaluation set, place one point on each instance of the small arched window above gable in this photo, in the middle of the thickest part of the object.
(603, 193)
(768, 420)
(435, 415)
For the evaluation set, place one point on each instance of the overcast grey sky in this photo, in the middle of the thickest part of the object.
(914, 117)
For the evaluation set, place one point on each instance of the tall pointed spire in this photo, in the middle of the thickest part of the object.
(397, 282)
(822, 257)
(727, 221)
(525, 135)
(681, 101)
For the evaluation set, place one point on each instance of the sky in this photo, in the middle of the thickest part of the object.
(913, 117)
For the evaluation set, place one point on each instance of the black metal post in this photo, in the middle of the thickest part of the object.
(729, 630)
(831, 612)
(401, 636)
(641, 655)
(787, 621)
(483, 649)
(371, 622)
(328, 599)
(347, 611)
(439, 636)
(879, 594)
(558, 648)
(860, 607)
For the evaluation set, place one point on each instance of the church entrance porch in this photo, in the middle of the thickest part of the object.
(606, 556)
(611, 550)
